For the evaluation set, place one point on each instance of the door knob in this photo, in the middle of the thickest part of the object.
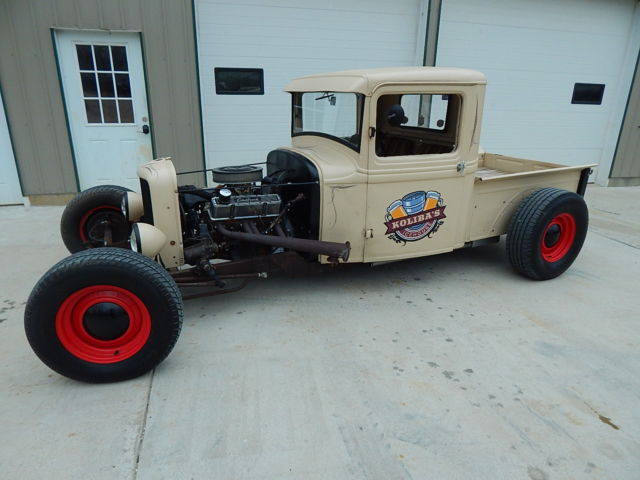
(145, 129)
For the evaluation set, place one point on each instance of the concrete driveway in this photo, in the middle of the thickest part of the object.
(449, 367)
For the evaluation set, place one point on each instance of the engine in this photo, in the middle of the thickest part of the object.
(244, 221)
(227, 206)
(242, 203)
(248, 214)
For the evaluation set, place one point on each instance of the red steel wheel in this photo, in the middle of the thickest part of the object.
(103, 324)
(558, 237)
(94, 219)
(100, 214)
(104, 315)
(546, 233)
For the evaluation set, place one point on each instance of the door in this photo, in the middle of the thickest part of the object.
(626, 164)
(281, 40)
(10, 192)
(106, 100)
(419, 188)
(533, 54)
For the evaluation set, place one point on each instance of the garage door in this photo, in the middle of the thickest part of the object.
(9, 184)
(533, 54)
(284, 39)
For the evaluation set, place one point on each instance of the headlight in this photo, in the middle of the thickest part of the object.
(131, 206)
(147, 239)
(134, 239)
(124, 207)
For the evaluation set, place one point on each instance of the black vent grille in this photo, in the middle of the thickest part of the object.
(146, 202)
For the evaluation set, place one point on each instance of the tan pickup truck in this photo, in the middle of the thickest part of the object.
(384, 165)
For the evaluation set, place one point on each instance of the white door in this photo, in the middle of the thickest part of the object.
(534, 54)
(286, 39)
(9, 184)
(104, 88)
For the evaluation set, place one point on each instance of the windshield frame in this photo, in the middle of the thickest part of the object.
(360, 100)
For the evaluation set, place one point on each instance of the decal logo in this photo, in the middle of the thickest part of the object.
(415, 216)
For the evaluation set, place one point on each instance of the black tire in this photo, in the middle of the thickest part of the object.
(237, 174)
(81, 223)
(77, 307)
(547, 232)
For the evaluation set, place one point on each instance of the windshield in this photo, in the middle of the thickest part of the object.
(336, 115)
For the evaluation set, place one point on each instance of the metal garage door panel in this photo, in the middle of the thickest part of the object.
(287, 39)
(533, 53)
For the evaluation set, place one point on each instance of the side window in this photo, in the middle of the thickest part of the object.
(417, 124)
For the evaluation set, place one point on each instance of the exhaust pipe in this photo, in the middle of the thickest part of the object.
(333, 250)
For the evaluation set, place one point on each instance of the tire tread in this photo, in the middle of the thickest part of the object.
(78, 205)
(106, 257)
(521, 238)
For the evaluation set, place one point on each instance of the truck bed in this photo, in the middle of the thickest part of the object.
(493, 167)
(501, 183)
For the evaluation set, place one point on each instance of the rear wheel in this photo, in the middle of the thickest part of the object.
(94, 219)
(104, 315)
(547, 232)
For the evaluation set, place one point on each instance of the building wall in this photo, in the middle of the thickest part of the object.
(33, 98)
(626, 165)
(10, 192)
(34, 102)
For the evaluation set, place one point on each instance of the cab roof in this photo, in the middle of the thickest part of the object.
(367, 80)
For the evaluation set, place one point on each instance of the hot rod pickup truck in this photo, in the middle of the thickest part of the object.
(384, 165)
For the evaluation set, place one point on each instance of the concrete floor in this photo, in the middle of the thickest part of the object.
(449, 367)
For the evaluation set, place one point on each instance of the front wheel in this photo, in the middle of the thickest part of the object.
(547, 232)
(94, 219)
(104, 315)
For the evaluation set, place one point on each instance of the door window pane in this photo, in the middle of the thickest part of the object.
(89, 88)
(92, 108)
(109, 111)
(119, 55)
(122, 85)
(103, 60)
(106, 85)
(85, 57)
(126, 111)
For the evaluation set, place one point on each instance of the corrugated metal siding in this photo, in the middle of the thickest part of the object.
(33, 97)
(33, 101)
(626, 164)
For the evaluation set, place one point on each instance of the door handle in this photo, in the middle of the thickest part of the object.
(145, 129)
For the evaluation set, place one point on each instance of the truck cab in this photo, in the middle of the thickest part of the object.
(401, 170)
